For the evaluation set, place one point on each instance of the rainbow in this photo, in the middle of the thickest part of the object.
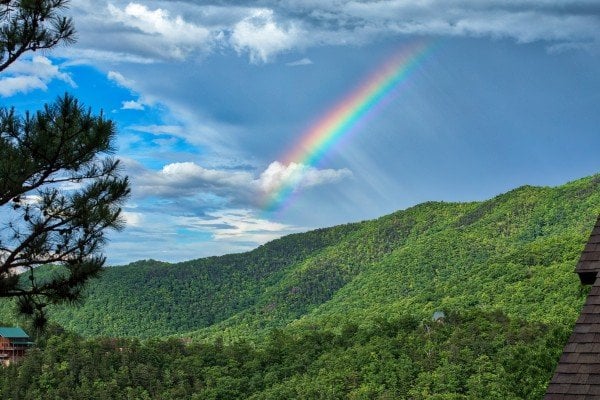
(344, 117)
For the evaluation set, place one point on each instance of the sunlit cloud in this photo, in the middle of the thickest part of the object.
(26, 75)
(262, 37)
(300, 175)
(174, 34)
(236, 187)
(133, 219)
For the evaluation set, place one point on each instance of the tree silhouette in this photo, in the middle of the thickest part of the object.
(59, 187)
(30, 25)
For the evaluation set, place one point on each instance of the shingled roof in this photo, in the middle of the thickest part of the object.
(577, 375)
(589, 263)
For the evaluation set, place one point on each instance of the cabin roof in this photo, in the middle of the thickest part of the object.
(13, 333)
(589, 262)
(578, 372)
(577, 375)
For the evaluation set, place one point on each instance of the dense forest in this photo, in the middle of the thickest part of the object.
(343, 312)
(475, 355)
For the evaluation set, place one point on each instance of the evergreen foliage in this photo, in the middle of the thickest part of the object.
(42, 220)
(475, 356)
(31, 25)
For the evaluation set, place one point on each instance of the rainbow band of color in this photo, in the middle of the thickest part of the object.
(346, 115)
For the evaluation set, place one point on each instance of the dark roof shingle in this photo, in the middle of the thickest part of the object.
(577, 375)
(589, 263)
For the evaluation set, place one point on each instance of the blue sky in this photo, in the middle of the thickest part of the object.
(209, 96)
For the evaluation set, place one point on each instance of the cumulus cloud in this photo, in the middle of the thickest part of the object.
(20, 84)
(298, 176)
(261, 36)
(173, 34)
(233, 186)
(158, 22)
(188, 177)
(26, 75)
(122, 31)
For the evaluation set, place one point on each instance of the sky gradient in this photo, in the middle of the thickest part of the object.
(211, 98)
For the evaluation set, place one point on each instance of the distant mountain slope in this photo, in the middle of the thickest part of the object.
(151, 298)
(514, 253)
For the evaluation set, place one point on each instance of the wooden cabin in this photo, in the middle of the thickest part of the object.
(14, 343)
(577, 375)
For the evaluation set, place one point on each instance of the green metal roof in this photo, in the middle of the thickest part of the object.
(13, 333)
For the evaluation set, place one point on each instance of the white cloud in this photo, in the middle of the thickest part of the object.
(84, 56)
(41, 67)
(171, 238)
(31, 199)
(298, 176)
(133, 219)
(237, 225)
(190, 173)
(183, 179)
(175, 34)
(303, 61)
(132, 105)
(20, 84)
(26, 75)
(144, 32)
(120, 80)
(262, 37)
(129, 84)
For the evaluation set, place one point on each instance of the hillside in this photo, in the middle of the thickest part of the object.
(151, 298)
(514, 253)
(339, 313)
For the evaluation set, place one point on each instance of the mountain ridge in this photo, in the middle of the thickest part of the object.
(392, 261)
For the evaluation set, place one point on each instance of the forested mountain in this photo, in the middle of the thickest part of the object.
(343, 312)
(151, 298)
(515, 253)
